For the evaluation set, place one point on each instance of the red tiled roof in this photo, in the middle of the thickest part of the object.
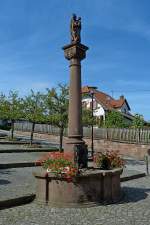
(106, 100)
(118, 103)
(103, 99)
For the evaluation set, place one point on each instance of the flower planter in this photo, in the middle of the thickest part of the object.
(92, 187)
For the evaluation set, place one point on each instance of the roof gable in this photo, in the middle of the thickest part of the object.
(106, 100)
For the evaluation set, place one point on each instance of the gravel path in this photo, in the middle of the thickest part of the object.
(133, 210)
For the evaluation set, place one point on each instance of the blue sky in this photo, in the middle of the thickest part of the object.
(32, 33)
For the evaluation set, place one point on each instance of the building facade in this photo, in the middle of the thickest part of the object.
(103, 103)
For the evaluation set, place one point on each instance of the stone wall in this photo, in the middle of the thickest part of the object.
(137, 151)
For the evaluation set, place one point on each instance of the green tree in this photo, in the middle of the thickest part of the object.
(57, 104)
(34, 110)
(11, 108)
(87, 119)
(114, 119)
(138, 121)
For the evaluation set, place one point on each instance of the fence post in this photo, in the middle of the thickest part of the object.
(139, 135)
(147, 166)
(106, 133)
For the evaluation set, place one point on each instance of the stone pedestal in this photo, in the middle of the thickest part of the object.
(75, 53)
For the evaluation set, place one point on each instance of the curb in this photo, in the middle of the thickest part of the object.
(132, 177)
(16, 201)
(29, 150)
(18, 165)
(14, 142)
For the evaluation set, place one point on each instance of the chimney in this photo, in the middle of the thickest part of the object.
(122, 97)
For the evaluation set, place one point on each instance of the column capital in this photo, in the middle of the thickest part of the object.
(75, 51)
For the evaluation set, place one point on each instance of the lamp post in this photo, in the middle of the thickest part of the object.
(92, 141)
(91, 92)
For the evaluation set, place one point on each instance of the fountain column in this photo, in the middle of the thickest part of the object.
(75, 52)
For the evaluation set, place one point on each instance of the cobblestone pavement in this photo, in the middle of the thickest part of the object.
(132, 210)
(133, 164)
(16, 182)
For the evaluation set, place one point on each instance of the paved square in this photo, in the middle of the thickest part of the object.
(134, 209)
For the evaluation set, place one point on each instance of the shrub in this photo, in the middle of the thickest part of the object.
(108, 160)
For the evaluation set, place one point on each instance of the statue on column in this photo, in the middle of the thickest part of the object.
(75, 29)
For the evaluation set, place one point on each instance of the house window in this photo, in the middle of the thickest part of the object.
(90, 105)
(94, 105)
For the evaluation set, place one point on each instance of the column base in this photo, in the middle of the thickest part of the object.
(78, 147)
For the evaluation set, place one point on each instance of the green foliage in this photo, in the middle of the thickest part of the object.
(115, 119)
(34, 107)
(87, 119)
(138, 121)
(57, 103)
(34, 110)
(11, 107)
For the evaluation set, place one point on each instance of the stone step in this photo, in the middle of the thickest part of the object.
(29, 150)
(17, 165)
(12, 144)
(21, 157)
(133, 176)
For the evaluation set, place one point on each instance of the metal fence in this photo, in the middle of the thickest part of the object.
(114, 134)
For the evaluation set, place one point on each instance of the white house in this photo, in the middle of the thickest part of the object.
(102, 103)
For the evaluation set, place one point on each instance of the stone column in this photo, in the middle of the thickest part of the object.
(75, 53)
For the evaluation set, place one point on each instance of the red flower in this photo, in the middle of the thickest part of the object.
(61, 164)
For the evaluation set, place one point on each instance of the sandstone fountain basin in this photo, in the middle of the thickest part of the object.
(90, 188)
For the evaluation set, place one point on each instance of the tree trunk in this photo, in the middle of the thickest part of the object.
(32, 132)
(61, 138)
(139, 135)
(12, 129)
